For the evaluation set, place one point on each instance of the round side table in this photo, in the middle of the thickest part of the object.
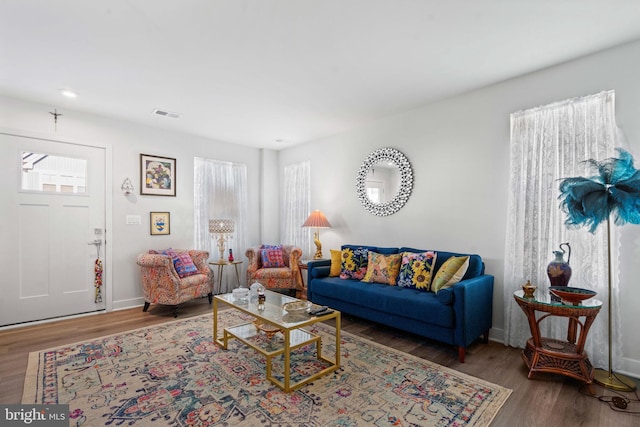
(552, 355)
(221, 265)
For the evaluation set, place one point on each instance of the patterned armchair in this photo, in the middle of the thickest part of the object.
(161, 283)
(285, 277)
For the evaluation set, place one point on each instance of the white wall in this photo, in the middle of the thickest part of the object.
(128, 141)
(459, 150)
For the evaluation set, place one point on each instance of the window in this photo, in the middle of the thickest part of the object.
(53, 174)
(220, 191)
(549, 143)
(297, 206)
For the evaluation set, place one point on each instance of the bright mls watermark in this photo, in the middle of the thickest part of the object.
(34, 415)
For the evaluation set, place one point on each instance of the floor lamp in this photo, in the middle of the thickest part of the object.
(608, 378)
(590, 201)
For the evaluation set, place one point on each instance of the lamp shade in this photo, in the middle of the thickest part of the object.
(221, 226)
(317, 220)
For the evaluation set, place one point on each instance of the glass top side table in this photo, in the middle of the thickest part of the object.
(551, 355)
(221, 265)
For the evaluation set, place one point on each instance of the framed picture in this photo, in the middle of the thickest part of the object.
(157, 175)
(160, 223)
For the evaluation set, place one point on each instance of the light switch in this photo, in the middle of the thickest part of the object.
(134, 219)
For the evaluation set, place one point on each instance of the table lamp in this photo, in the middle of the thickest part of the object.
(317, 220)
(223, 228)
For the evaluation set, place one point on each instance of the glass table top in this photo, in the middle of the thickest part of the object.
(544, 296)
(272, 311)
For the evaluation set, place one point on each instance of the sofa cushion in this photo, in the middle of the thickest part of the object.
(336, 262)
(450, 273)
(378, 249)
(416, 270)
(272, 256)
(408, 303)
(354, 263)
(476, 266)
(382, 268)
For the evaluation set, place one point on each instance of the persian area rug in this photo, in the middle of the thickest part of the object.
(173, 375)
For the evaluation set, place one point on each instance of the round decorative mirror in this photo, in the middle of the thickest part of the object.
(384, 181)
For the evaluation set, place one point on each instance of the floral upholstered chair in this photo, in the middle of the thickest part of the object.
(275, 267)
(173, 276)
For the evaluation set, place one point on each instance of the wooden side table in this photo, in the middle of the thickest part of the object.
(552, 355)
(303, 265)
(221, 265)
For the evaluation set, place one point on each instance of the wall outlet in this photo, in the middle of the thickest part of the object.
(134, 220)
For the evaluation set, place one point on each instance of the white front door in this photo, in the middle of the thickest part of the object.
(52, 199)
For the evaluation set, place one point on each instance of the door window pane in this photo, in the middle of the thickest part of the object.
(53, 174)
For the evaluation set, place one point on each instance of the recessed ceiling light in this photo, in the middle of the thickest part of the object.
(68, 93)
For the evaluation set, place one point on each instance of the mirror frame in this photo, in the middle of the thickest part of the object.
(394, 156)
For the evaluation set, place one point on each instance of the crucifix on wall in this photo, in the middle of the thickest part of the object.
(55, 115)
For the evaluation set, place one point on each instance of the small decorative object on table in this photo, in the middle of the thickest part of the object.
(267, 328)
(572, 295)
(528, 289)
(558, 270)
(231, 255)
(296, 308)
(241, 294)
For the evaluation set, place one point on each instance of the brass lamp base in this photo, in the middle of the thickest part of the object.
(316, 241)
(614, 381)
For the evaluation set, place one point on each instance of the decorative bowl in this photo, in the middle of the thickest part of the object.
(241, 294)
(296, 308)
(267, 328)
(572, 295)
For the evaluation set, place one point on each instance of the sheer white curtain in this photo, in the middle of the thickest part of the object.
(296, 204)
(220, 191)
(547, 144)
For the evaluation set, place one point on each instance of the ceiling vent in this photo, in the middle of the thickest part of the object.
(167, 114)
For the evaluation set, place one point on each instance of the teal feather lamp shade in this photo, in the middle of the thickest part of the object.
(613, 192)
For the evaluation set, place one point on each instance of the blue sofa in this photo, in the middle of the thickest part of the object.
(457, 315)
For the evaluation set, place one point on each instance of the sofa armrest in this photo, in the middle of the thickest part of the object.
(199, 259)
(294, 260)
(154, 261)
(473, 306)
(314, 269)
(159, 268)
(253, 263)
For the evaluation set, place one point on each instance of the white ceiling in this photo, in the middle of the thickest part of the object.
(256, 71)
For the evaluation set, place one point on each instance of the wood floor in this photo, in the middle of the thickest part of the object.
(546, 400)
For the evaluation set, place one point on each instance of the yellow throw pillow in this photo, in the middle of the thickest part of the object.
(336, 262)
(450, 273)
(383, 268)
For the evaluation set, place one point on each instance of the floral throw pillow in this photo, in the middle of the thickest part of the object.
(272, 256)
(416, 270)
(382, 268)
(354, 263)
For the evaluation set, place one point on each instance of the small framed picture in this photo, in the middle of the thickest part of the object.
(157, 175)
(160, 223)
